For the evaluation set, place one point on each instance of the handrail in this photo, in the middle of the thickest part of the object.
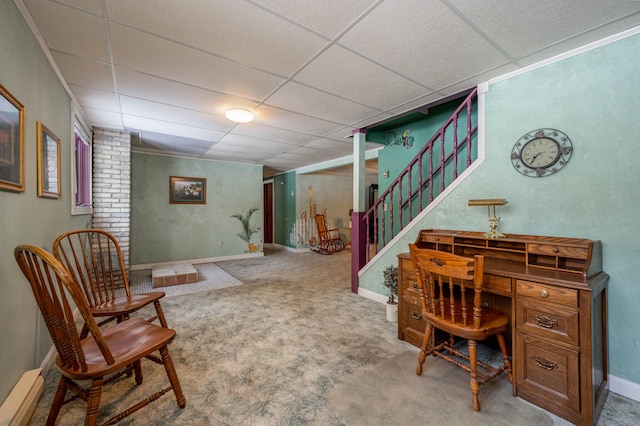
(386, 213)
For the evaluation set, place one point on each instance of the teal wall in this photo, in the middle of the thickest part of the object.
(163, 232)
(593, 98)
(284, 203)
(24, 217)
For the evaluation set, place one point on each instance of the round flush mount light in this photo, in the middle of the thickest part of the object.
(239, 115)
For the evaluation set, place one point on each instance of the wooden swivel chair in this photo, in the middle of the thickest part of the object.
(104, 355)
(450, 289)
(94, 260)
(329, 240)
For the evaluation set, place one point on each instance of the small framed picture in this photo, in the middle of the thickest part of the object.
(187, 190)
(11, 142)
(48, 163)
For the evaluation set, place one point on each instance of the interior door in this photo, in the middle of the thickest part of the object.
(267, 225)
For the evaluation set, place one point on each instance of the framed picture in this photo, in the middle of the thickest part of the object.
(11, 142)
(187, 190)
(48, 163)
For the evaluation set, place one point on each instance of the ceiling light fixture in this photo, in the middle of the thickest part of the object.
(239, 115)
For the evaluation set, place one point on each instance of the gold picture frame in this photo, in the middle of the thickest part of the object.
(49, 181)
(11, 142)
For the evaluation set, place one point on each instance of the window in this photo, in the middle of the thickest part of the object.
(82, 172)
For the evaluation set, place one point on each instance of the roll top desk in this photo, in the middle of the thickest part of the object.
(555, 292)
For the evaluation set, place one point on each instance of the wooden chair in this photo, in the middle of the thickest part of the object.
(450, 289)
(94, 260)
(104, 355)
(329, 240)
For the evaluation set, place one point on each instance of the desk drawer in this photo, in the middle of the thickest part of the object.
(547, 321)
(548, 373)
(561, 251)
(497, 284)
(440, 239)
(547, 293)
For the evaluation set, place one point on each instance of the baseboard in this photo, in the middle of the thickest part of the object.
(372, 295)
(21, 402)
(624, 387)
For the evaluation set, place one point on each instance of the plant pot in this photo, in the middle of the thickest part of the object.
(392, 312)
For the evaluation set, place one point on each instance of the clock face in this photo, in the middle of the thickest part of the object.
(541, 152)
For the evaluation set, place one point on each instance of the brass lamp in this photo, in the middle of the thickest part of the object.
(493, 220)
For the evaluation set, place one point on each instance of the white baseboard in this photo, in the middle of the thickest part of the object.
(372, 295)
(17, 409)
(624, 387)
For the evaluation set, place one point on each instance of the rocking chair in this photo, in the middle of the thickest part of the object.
(329, 241)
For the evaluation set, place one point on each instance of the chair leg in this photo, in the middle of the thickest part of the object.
(505, 356)
(173, 376)
(93, 402)
(58, 400)
(473, 364)
(423, 350)
(163, 322)
(137, 370)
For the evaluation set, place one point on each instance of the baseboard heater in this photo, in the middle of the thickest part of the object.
(21, 402)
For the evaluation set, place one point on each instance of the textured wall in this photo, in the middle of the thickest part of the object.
(163, 232)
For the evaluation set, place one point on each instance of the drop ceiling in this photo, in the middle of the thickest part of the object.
(310, 71)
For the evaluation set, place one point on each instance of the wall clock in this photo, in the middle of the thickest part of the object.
(541, 152)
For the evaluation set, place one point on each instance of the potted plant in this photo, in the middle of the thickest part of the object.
(247, 229)
(390, 274)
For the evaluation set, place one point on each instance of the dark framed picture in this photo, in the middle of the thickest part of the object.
(11, 142)
(187, 190)
(48, 163)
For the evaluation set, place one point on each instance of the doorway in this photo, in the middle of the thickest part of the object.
(267, 208)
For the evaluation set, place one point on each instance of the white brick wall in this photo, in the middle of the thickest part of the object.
(112, 185)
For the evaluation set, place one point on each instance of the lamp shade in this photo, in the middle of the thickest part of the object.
(239, 115)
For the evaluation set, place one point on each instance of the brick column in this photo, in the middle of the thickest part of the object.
(112, 185)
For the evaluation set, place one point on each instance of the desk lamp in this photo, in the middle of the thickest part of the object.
(493, 220)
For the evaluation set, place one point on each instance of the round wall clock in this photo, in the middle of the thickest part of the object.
(541, 152)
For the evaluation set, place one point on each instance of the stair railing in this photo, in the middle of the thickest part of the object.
(447, 154)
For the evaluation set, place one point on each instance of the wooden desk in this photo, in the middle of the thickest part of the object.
(554, 291)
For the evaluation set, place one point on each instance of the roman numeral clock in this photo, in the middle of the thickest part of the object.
(541, 152)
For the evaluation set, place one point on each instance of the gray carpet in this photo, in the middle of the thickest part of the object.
(393, 394)
(292, 346)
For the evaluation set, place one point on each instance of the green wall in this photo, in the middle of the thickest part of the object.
(593, 98)
(163, 232)
(24, 217)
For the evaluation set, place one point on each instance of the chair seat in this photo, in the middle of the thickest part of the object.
(493, 322)
(126, 340)
(125, 304)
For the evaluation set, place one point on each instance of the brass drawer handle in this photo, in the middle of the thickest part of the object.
(545, 321)
(414, 286)
(544, 363)
(416, 315)
(556, 250)
(436, 239)
(544, 293)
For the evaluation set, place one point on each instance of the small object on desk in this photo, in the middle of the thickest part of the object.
(493, 220)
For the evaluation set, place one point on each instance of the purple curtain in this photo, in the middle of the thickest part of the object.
(83, 174)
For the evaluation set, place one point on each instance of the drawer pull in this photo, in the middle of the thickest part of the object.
(436, 239)
(544, 363)
(544, 293)
(556, 250)
(414, 286)
(545, 321)
(416, 315)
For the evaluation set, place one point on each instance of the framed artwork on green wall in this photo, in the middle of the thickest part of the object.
(11, 142)
(187, 190)
(48, 163)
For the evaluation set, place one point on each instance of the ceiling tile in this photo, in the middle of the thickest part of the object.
(183, 116)
(104, 119)
(345, 147)
(280, 118)
(305, 100)
(247, 142)
(69, 30)
(261, 131)
(84, 72)
(94, 98)
(175, 129)
(163, 58)
(344, 73)
(263, 41)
